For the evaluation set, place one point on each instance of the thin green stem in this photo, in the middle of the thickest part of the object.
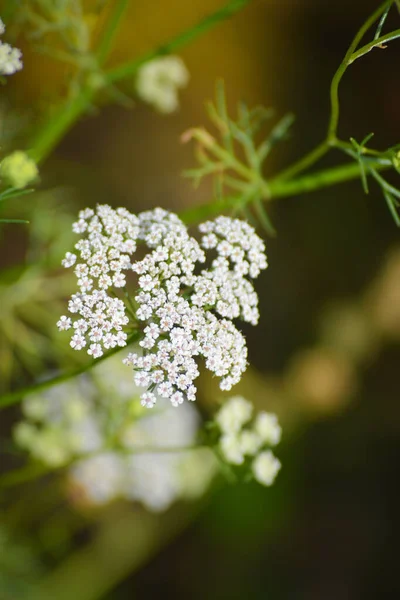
(318, 180)
(307, 161)
(334, 91)
(393, 35)
(282, 189)
(349, 149)
(58, 125)
(108, 36)
(331, 137)
(17, 395)
(18, 476)
(130, 68)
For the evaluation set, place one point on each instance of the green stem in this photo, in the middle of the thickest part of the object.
(334, 91)
(331, 140)
(108, 36)
(393, 35)
(306, 161)
(318, 180)
(17, 395)
(130, 68)
(18, 476)
(59, 124)
(282, 189)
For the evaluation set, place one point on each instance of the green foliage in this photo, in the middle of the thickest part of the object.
(235, 159)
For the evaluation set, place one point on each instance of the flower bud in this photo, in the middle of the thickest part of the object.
(18, 170)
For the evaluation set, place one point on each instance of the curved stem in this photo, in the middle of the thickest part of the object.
(393, 35)
(350, 56)
(334, 91)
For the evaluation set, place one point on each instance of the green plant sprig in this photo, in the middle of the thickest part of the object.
(249, 185)
(235, 159)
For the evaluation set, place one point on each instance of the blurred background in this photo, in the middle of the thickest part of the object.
(324, 356)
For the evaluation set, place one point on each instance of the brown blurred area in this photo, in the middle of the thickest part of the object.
(327, 530)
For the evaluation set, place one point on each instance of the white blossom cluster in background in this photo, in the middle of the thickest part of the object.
(76, 421)
(185, 312)
(10, 58)
(158, 82)
(244, 438)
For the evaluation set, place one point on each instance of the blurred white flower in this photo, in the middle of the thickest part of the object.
(159, 80)
(10, 58)
(101, 477)
(250, 442)
(265, 468)
(268, 428)
(234, 414)
(244, 437)
(75, 421)
(231, 449)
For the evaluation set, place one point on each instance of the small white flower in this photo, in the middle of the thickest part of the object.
(64, 323)
(10, 58)
(142, 379)
(77, 342)
(157, 84)
(148, 399)
(177, 399)
(231, 450)
(250, 443)
(265, 468)
(69, 260)
(234, 414)
(268, 428)
(95, 350)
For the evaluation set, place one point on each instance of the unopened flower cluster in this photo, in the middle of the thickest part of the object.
(158, 82)
(185, 312)
(244, 438)
(10, 58)
(18, 169)
(112, 447)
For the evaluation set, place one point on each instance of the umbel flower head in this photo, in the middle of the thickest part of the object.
(10, 58)
(183, 311)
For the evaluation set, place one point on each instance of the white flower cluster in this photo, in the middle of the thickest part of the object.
(10, 58)
(185, 315)
(158, 82)
(74, 421)
(238, 443)
(104, 255)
